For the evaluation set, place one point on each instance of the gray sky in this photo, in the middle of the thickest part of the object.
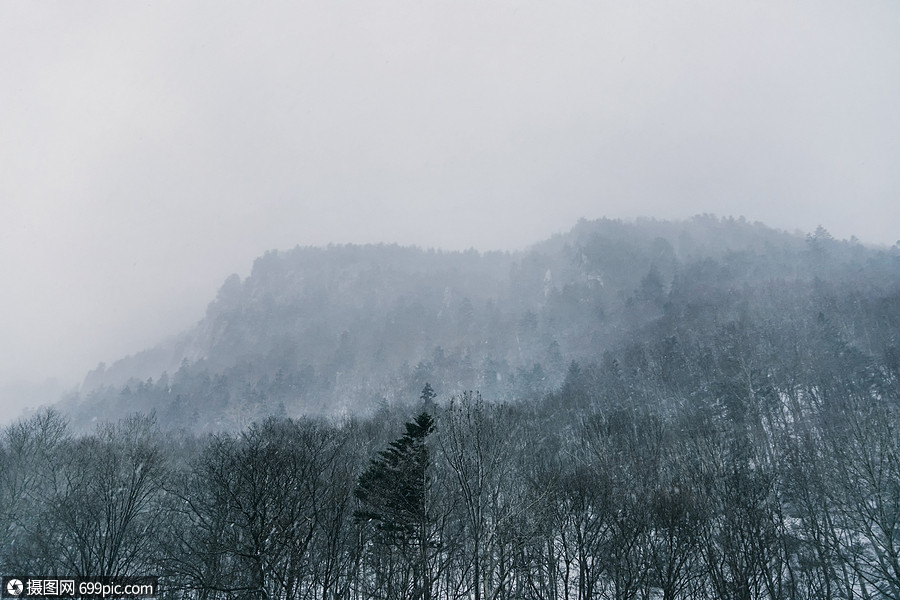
(150, 149)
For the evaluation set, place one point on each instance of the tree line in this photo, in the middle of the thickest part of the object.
(794, 495)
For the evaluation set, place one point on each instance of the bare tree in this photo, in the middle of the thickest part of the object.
(31, 456)
(248, 511)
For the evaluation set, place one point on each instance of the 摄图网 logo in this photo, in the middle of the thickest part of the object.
(14, 587)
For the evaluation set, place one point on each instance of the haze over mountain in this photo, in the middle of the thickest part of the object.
(151, 149)
(293, 230)
(345, 329)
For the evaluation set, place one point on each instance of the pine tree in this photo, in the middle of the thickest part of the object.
(394, 493)
(427, 397)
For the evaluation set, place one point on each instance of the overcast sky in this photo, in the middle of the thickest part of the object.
(150, 149)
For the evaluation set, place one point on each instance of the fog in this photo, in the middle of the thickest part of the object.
(149, 150)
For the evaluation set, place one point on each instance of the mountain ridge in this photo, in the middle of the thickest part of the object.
(340, 329)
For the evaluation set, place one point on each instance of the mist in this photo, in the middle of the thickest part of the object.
(151, 150)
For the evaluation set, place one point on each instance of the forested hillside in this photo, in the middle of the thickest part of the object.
(343, 329)
(640, 410)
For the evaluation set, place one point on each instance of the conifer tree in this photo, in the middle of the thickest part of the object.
(427, 397)
(393, 491)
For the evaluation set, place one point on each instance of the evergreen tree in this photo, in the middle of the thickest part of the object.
(427, 397)
(394, 493)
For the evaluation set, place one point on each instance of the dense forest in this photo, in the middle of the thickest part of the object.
(344, 329)
(646, 410)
